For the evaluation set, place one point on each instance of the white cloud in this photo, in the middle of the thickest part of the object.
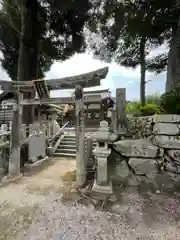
(83, 63)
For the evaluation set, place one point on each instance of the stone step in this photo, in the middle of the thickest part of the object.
(68, 143)
(65, 155)
(64, 150)
(66, 146)
(69, 140)
(69, 137)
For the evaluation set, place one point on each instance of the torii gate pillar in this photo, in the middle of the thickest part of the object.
(80, 136)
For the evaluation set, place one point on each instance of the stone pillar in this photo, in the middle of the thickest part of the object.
(55, 125)
(89, 149)
(101, 154)
(121, 126)
(44, 129)
(10, 125)
(113, 120)
(49, 128)
(14, 160)
(23, 132)
(80, 136)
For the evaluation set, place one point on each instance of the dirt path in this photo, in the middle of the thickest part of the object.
(20, 202)
(33, 210)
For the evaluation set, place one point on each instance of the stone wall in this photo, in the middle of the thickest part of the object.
(153, 156)
(140, 127)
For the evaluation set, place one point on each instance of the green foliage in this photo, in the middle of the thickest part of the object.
(133, 107)
(170, 101)
(121, 34)
(149, 109)
(153, 99)
(153, 106)
(61, 26)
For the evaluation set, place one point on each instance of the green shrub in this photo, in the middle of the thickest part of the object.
(170, 101)
(137, 114)
(133, 107)
(149, 109)
(153, 98)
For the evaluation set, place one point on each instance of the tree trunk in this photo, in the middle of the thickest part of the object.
(28, 66)
(176, 81)
(171, 69)
(143, 71)
(27, 70)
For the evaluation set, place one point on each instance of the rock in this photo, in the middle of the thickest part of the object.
(113, 198)
(166, 142)
(151, 176)
(171, 168)
(122, 170)
(174, 155)
(133, 180)
(136, 148)
(119, 208)
(141, 127)
(158, 192)
(143, 165)
(166, 118)
(174, 177)
(166, 129)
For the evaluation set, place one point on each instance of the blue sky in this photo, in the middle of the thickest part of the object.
(118, 77)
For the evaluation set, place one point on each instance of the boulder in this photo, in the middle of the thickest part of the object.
(143, 166)
(136, 148)
(122, 170)
(166, 142)
(169, 129)
(133, 180)
(166, 118)
(174, 155)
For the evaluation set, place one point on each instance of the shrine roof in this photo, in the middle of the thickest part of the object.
(91, 79)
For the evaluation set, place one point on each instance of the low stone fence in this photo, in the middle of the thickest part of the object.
(152, 155)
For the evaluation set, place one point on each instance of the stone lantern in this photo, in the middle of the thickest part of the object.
(101, 152)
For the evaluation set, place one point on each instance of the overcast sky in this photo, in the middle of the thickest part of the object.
(118, 77)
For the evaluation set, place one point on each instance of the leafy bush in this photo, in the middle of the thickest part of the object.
(170, 101)
(154, 98)
(149, 109)
(133, 107)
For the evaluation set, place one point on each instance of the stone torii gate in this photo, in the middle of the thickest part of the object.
(78, 82)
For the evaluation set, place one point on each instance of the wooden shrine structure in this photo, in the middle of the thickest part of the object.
(43, 87)
(92, 109)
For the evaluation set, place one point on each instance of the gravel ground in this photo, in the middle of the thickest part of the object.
(36, 209)
(132, 217)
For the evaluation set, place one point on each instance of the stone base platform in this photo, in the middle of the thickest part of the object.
(102, 191)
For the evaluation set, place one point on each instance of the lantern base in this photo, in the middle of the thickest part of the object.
(102, 191)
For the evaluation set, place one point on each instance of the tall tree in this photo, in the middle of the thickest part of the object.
(62, 24)
(10, 30)
(176, 77)
(129, 29)
(51, 31)
(61, 31)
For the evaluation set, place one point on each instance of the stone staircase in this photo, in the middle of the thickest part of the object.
(67, 147)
